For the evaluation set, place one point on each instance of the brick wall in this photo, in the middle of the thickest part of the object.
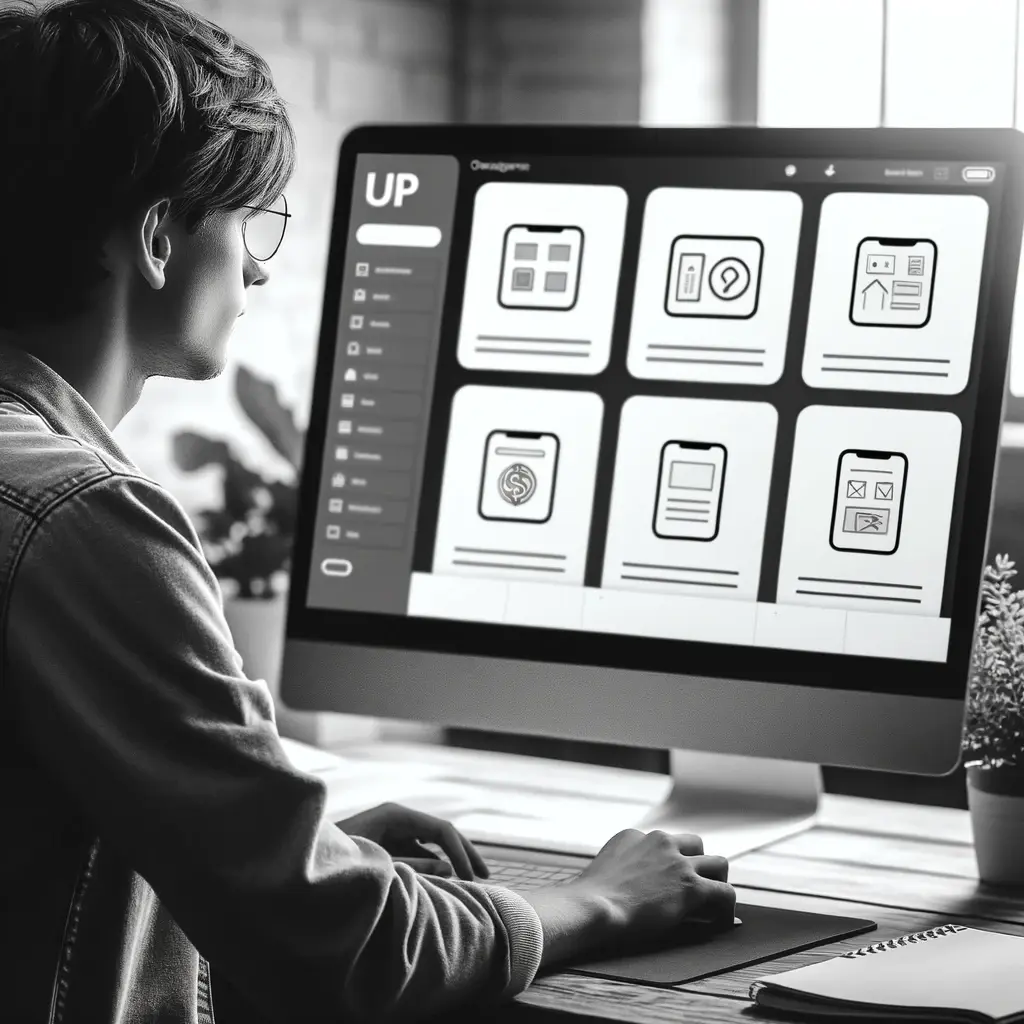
(660, 62)
(551, 61)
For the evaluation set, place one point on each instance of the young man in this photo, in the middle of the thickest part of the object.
(154, 831)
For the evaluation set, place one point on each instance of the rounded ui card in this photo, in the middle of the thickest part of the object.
(714, 285)
(690, 497)
(542, 277)
(894, 297)
(518, 486)
(869, 509)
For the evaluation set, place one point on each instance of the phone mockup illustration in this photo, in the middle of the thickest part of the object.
(519, 476)
(691, 479)
(893, 282)
(540, 267)
(867, 511)
(716, 277)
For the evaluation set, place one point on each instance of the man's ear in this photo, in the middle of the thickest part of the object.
(154, 244)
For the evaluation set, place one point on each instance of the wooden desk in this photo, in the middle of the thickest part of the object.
(908, 867)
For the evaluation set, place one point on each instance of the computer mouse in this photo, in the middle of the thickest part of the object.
(696, 929)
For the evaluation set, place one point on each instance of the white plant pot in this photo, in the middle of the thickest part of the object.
(258, 627)
(998, 823)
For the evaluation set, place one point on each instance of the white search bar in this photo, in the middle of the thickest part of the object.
(416, 236)
(978, 173)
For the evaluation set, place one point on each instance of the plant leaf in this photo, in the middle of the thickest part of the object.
(192, 452)
(259, 401)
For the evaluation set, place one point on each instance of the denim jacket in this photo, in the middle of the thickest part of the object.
(152, 825)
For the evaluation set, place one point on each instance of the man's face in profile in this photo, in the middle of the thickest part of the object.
(184, 326)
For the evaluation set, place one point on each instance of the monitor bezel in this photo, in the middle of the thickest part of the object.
(712, 661)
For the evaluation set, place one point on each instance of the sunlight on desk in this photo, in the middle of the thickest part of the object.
(906, 866)
(512, 799)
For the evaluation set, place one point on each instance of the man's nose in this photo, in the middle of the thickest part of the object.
(256, 273)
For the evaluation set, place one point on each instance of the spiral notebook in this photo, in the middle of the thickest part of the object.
(950, 973)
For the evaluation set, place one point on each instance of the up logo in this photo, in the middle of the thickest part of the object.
(397, 188)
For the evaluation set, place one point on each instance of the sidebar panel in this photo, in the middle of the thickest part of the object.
(396, 268)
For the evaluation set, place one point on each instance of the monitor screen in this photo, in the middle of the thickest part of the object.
(730, 412)
(1016, 376)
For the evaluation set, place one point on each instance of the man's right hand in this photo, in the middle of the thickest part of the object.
(638, 888)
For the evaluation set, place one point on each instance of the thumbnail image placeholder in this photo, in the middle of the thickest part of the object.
(542, 277)
(714, 285)
(895, 292)
(869, 509)
(690, 497)
(518, 485)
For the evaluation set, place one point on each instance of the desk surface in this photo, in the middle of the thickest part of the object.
(866, 859)
(905, 866)
(883, 870)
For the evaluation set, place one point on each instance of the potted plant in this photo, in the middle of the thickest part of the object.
(248, 537)
(994, 729)
(248, 541)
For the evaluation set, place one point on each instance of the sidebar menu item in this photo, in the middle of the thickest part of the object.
(396, 268)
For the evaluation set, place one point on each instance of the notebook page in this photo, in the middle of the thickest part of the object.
(974, 970)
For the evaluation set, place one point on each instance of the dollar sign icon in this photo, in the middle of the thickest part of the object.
(517, 484)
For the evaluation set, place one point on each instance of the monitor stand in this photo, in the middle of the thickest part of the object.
(736, 803)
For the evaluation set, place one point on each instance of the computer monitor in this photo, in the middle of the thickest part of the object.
(664, 437)
(1014, 411)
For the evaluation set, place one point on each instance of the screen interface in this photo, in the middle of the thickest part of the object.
(695, 401)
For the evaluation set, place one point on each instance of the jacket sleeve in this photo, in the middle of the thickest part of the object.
(127, 684)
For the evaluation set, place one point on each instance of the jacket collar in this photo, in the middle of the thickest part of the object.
(50, 396)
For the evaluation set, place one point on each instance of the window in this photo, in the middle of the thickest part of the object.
(820, 64)
(950, 64)
(900, 63)
(908, 63)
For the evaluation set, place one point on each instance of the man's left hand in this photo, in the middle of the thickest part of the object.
(402, 832)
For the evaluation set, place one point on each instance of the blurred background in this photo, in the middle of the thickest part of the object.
(811, 63)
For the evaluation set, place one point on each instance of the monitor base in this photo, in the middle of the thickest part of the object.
(735, 803)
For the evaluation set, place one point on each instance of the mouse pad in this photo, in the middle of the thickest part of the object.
(766, 933)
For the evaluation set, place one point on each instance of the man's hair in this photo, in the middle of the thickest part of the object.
(107, 106)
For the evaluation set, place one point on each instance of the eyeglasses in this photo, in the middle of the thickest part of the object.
(263, 229)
